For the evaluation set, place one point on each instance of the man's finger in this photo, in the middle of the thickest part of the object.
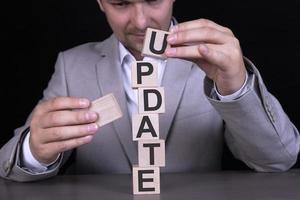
(63, 103)
(69, 132)
(200, 35)
(199, 23)
(68, 117)
(198, 52)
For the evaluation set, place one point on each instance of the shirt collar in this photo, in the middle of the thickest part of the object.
(125, 55)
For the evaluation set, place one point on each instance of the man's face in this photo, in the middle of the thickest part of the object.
(130, 18)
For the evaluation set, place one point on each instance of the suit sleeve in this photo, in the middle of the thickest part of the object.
(10, 152)
(257, 130)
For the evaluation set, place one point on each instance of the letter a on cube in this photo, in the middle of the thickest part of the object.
(145, 126)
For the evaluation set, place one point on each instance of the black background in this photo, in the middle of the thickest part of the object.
(33, 32)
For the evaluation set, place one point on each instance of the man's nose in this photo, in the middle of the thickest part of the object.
(139, 16)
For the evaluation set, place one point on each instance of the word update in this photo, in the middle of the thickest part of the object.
(145, 124)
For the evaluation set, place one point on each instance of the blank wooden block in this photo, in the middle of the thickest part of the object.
(151, 153)
(145, 126)
(155, 43)
(146, 180)
(151, 100)
(107, 108)
(144, 74)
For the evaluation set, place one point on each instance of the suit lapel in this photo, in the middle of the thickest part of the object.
(174, 80)
(110, 80)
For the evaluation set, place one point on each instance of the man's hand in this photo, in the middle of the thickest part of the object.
(212, 47)
(60, 124)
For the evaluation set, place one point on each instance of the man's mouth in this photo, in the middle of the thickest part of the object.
(138, 36)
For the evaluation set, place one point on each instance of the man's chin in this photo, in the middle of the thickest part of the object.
(137, 47)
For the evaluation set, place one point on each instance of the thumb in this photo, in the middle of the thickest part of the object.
(203, 49)
(210, 56)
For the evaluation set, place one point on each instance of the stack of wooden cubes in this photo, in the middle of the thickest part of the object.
(145, 124)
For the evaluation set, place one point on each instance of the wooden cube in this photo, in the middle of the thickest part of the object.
(146, 180)
(107, 108)
(151, 100)
(155, 43)
(144, 74)
(145, 126)
(151, 153)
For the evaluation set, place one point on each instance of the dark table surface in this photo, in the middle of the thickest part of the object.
(241, 185)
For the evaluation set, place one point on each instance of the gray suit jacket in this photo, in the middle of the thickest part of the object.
(194, 126)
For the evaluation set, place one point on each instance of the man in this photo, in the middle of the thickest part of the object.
(213, 95)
